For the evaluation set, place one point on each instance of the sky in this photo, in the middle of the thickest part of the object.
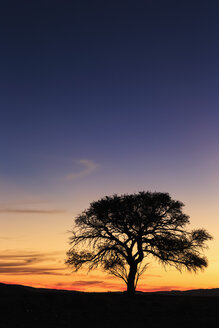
(98, 98)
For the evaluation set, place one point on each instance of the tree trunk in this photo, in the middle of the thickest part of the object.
(131, 280)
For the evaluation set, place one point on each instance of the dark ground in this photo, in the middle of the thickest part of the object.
(31, 307)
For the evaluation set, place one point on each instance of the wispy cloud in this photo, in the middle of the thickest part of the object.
(30, 211)
(87, 283)
(84, 284)
(29, 263)
(87, 168)
(32, 271)
(14, 238)
(5, 238)
(159, 288)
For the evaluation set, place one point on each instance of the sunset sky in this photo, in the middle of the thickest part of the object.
(97, 98)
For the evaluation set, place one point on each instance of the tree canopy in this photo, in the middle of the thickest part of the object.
(118, 233)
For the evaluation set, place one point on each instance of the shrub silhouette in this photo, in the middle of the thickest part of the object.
(118, 233)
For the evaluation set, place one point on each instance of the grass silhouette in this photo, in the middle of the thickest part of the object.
(32, 307)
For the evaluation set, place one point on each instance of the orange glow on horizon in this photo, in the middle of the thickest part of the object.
(33, 254)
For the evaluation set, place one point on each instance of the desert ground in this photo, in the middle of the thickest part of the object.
(32, 307)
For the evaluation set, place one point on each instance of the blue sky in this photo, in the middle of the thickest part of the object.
(131, 88)
(99, 80)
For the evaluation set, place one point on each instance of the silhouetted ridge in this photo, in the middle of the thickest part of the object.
(25, 307)
(192, 292)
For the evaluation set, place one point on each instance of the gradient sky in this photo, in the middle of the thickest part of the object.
(103, 97)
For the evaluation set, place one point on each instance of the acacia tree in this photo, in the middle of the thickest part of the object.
(118, 233)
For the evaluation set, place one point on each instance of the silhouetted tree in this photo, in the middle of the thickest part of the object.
(117, 233)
